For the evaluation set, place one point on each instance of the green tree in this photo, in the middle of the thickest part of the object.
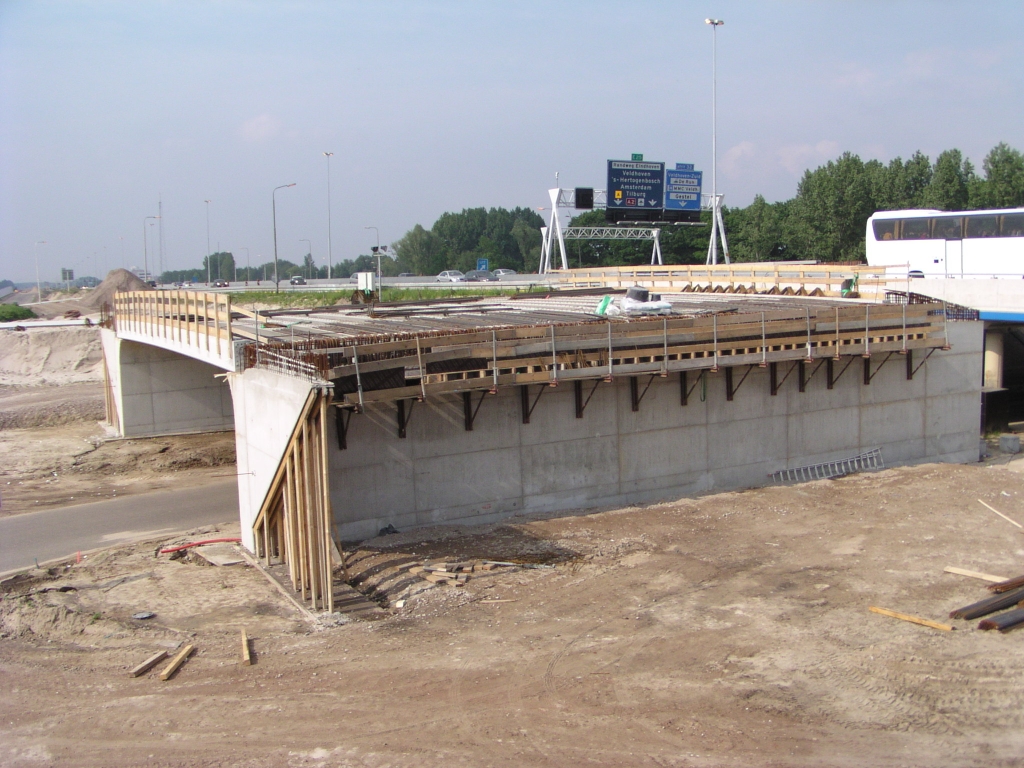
(831, 208)
(421, 252)
(952, 177)
(1003, 185)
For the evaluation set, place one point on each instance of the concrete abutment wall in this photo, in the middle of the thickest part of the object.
(441, 473)
(159, 392)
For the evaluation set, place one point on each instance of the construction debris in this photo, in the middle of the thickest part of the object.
(176, 662)
(1009, 519)
(148, 664)
(1004, 621)
(988, 605)
(1007, 584)
(912, 619)
(977, 575)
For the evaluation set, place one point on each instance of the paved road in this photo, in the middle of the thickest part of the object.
(56, 533)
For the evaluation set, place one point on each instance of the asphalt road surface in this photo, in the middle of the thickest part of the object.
(57, 533)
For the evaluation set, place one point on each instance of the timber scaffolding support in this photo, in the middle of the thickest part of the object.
(294, 523)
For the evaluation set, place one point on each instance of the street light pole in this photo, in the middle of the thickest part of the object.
(35, 253)
(207, 241)
(309, 250)
(273, 200)
(715, 207)
(145, 245)
(328, 155)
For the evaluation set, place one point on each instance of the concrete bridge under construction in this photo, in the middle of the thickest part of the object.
(349, 419)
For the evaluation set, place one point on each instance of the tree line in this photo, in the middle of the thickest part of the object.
(824, 221)
(827, 218)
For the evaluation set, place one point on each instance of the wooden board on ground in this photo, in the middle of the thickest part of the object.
(246, 652)
(972, 574)
(176, 662)
(148, 664)
(911, 619)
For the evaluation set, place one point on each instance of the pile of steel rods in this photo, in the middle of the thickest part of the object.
(1009, 594)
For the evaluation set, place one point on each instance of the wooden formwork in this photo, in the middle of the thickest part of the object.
(488, 359)
(294, 523)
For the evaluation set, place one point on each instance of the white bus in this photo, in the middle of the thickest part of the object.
(948, 243)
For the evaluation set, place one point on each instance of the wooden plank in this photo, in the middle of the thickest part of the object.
(912, 619)
(973, 574)
(246, 651)
(176, 662)
(1008, 519)
(148, 664)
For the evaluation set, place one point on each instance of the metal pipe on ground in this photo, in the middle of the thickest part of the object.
(1004, 621)
(1006, 586)
(988, 605)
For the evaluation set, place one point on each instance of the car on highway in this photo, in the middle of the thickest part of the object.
(480, 276)
(451, 276)
(298, 280)
(504, 272)
(220, 283)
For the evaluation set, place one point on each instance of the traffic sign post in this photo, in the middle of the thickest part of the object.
(483, 264)
(682, 189)
(636, 190)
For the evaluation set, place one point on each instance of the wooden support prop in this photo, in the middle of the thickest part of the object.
(973, 574)
(246, 652)
(911, 619)
(1008, 519)
(148, 664)
(176, 662)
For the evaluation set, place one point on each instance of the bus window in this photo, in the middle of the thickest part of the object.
(914, 229)
(885, 229)
(982, 226)
(1013, 225)
(948, 228)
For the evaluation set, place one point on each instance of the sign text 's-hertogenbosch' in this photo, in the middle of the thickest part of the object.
(636, 184)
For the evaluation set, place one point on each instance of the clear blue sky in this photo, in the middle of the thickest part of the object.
(437, 106)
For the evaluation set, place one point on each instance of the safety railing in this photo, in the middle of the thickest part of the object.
(189, 318)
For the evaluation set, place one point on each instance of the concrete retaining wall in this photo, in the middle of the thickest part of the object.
(440, 473)
(267, 406)
(158, 392)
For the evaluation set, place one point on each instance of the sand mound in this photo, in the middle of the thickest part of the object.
(116, 280)
(50, 356)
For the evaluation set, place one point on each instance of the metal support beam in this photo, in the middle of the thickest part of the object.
(776, 382)
(868, 374)
(911, 372)
(731, 390)
(684, 393)
(635, 395)
(469, 412)
(830, 369)
(581, 404)
(404, 416)
(342, 416)
(524, 398)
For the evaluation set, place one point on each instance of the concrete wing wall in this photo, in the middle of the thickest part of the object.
(267, 406)
(158, 392)
(442, 473)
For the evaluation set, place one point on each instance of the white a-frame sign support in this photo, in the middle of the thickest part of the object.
(566, 198)
(713, 203)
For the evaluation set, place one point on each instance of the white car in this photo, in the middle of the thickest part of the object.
(451, 276)
(504, 272)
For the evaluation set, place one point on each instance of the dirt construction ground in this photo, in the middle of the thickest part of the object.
(729, 630)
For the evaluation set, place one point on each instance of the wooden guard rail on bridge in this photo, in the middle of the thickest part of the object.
(760, 277)
(190, 318)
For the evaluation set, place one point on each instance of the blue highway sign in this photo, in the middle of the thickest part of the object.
(635, 185)
(682, 190)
